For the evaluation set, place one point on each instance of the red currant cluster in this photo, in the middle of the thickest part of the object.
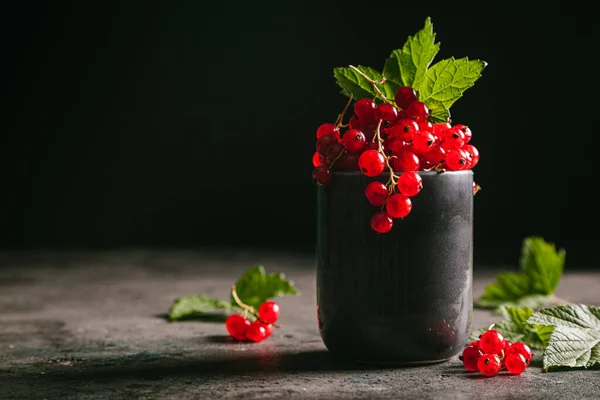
(394, 135)
(240, 327)
(492, 353)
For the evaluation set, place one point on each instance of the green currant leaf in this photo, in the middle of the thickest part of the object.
(352, 83)
(190, 306)
(541, 267)
(255, 286)
(542, 264)
(575, 340)
(445, 82)
(407, 66)
(515, 328)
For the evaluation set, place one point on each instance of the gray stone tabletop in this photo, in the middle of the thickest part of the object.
(91, 325)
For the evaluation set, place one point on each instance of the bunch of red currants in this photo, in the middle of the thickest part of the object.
(396, 136)
(492, 353)
(240, 327)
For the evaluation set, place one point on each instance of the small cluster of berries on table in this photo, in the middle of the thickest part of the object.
(239, 326)
(492, 353)
(398, 137)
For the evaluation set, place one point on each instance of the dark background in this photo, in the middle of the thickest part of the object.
(191, 124)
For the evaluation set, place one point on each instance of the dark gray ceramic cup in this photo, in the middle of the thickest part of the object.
(405, 296)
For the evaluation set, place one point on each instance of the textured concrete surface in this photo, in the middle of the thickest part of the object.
(92, 326)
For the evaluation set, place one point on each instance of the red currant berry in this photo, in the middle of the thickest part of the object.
(491, 342)
(522, 349)
(268, 312)
(473, 154)
(371, 163)
(394, 146)
(318, 159)
(506, 344)
(474, 343)
(328, 129)
(452, 139)
(333, 152)
(467, 134)
(268, 329)
(435, 156)
(372, 146)
(410, 183)
(349, 162)
(515, 363)
(355, 123)
(376, 193)
(398, 206)
(426, 126)
(470, 356)
(381, 222)
(237, 326)
(404, 129)
(405, 96)
(418, 111)
(322, 175)
(324, 142)
(406, 161)
(385, 112)
(439, 129)
(354, 140)
(457, 160)
(364, 109)
(257, 331)
(489, 364)
(423, 142)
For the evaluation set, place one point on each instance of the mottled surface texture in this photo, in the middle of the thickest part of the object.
(92, 326)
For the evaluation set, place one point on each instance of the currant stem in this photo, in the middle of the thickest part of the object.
(340, 117)
(247, 309)
(374, 83)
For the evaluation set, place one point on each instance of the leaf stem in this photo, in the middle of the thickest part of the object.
(374, 83)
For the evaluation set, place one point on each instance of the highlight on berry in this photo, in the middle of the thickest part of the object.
(394, 140)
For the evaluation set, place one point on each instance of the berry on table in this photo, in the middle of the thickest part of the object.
(258, 331)
(322, 175)
(237, 326)
(489, 364)
(515, 363)
(377, 193)
(268, 312)
(470, 356)
(381, 222)
(405, 96)
(398, 206)
(491, 342)
(522, 349)
(410, 183)
(371, 163)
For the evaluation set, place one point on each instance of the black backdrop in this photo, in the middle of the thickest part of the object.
(184, 124)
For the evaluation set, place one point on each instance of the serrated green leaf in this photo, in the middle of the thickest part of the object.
(515, 328)
(542, 264)
(575, 341)
(352, 83)
(541, 268)
(407, 66)
(256, 286)
(189, 306)
(445, 82)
